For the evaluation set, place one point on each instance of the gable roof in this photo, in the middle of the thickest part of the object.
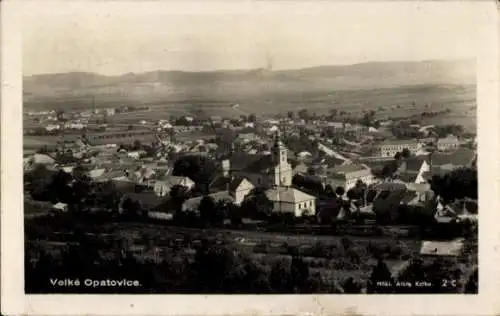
(389, 186)
(220, 183)
(236, 182)
(193, 203)
(175, 180)
(241, 161)
(288, 195)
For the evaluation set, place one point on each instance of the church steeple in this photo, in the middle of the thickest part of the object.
(279, 150)
(282, 170)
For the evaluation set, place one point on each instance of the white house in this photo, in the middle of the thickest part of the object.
(292, 201)
(347, 175)
(52, 127)
(136, 154)
(239, 188)
(389, 148)
(449, 142)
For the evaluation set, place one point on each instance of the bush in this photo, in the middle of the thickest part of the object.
(261, 248)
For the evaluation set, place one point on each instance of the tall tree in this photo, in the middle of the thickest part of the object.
(380, 279)
(207, 210)
(339, 191)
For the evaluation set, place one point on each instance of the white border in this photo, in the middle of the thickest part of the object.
(14, 301)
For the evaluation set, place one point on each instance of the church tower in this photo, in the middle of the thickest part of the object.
(279, 151)
(282, 170)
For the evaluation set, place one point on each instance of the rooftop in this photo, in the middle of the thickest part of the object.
(459, 157)
(148, 200)
(348, 168)
(398, 142)
(288, 195)
(193, 203)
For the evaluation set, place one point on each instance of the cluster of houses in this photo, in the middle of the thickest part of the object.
(256, 162)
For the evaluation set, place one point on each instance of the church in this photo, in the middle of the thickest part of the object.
(274, 173)
(263, 171)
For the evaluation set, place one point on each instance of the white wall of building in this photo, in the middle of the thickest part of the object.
(297, 209)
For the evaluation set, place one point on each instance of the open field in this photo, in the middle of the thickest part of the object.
(388, 102)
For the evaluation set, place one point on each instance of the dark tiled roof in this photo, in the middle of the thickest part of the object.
(407, 176)
(193, 203)
(389, 186)
(241, 161)
(332, 161)
(148, 200)
(261, 165)
(219, 184)
(414, 163)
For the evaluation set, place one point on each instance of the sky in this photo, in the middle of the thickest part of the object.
(116, 37)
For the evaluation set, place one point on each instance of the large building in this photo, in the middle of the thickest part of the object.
(125, 137)
(288, 200)
(347, 175)
(389, 148)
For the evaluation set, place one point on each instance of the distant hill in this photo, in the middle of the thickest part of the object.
(255, 83)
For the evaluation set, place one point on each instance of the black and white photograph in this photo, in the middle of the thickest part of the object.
(250, 153)
(251, 150)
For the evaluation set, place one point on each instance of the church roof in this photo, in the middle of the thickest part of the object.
(261, 165)
(241, 161)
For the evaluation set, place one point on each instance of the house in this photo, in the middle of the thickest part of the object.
(461, 157)
(453, 213)
(262, 170)
(346, 176)
(146, 201)
(193, 203)
(412, 169)
(303, 154)
(110, 111)
(292, 201)
(389, 148)
(449, 142)
(144, 176)
(163, 185)
(300, 168)
(60, 207)
(110, 175)
(239, 188)
(52, 127)
(247, 137)
(127, 137)
(96, 173)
